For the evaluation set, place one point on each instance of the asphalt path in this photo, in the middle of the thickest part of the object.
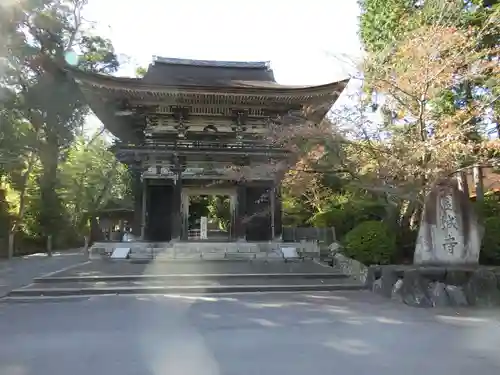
(274, 333)
(21, 271)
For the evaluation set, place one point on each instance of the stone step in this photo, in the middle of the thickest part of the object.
(192, 276)
(185, 289)
(215, 247)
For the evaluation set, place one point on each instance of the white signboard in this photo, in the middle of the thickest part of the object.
(289, 252)
(204, 228)
(120, 253)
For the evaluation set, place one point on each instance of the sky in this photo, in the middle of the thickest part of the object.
(307, 42)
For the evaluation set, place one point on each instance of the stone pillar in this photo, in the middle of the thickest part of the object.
(144, 205)
(176, 207)
(241, 211)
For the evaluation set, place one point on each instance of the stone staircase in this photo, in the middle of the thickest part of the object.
(195, 250)
(193, 268)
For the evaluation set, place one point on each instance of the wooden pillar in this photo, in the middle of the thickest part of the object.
(185, 216)
(233, 207)
(272, 203)
(176, 207)
(136, 223)
(241, 210)
(143, 207)
(278, 212)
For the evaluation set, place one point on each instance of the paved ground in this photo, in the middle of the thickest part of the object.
(119, 267)
(193, 281)
(293, 334)
(20, 271)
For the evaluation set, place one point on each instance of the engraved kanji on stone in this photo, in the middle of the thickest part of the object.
(446, 203)
(450, 243)
(449, 221)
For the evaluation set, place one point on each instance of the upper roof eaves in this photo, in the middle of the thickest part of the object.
(213, 63)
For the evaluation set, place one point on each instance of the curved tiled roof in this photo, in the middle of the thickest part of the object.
(230, 76)
(185, 72)
(213, 63)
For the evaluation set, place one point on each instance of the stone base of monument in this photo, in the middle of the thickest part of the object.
(437, 286)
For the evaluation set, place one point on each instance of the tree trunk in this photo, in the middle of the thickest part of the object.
(50, 208)
(22, 204)
(477, 174)
(408, 213)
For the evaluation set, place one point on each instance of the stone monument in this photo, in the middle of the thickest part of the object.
(449, 232)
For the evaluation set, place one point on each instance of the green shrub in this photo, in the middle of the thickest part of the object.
(371, 242)
(490, 249)
(489, 207)
(346, 216)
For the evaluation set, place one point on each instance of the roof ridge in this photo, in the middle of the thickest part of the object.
(213, 63)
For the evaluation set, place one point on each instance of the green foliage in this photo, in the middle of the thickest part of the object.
(371, 242)
(489, 206)
(490, 249)
(91, 178)
(38, 34)
(42, 109)
(140, 72)
(347, 212)
(219, 209)
(381, 22)
(489, 212)
(295, 210)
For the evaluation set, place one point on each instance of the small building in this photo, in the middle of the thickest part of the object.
(196, 127)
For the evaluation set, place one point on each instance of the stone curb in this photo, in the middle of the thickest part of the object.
(181, 290)
(195, 260)
(352, 268)
(111, 278)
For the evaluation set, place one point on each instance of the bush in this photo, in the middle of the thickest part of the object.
(344, 217)
(489, 207)
(371, 242)
(490, 249)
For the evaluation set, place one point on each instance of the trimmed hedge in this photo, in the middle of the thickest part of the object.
(371, 242)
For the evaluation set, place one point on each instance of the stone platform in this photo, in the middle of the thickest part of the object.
(102, 277)
(437, 286)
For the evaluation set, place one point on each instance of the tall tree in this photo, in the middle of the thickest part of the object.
(39, 36)
(91, 178)
(428, 132)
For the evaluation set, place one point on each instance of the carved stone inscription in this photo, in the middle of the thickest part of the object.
(449, 231)
(449, 223)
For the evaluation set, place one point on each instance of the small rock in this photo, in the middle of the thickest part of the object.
(415, 290)
(389, 278)
(370, 277)
(439, 295)
(396, 291)
(456, 295)
(335, 248)
(377, 286)
(457, 277)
